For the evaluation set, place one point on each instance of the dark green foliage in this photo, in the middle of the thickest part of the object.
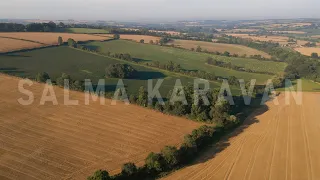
(142, 99)
(42, 77)
(226, 53)
(199, 49)
(72, 43)
(129, 169)
(116, 36)
(60, 40)
(170, 155)
(120, 71)
(155, 162)
(100, 175)
(314, 55)
(142, 41)
(60, 80)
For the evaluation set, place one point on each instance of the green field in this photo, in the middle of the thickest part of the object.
(82, 65)
(190, 60)
(86, 31)
(307, 86)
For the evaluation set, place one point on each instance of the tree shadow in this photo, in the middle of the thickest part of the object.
(15, 55)
(11, 71)
(139, 60)
(145, 75)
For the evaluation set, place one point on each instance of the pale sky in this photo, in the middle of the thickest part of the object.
(158, 9)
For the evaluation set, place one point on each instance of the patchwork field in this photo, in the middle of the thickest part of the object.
(82, 65)
(51, 38)
(308, 50)
(71, 142)
(137, 38)
(281, 143)
(8, 45)
(190, 60)
(86, 31)
(213, 47)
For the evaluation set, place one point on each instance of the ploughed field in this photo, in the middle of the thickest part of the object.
(277, 142)
(71, 142)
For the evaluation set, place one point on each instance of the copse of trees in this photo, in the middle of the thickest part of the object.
(42, 77)
(120, 71)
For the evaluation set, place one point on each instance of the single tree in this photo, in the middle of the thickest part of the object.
(170, 155)
(314, 55)
(116, 36)
(72, 42)
(151, 42)
(142, 41)
(199, 49)
(60, 40)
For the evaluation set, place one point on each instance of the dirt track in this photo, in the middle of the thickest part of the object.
(71, 142)
(281, 143)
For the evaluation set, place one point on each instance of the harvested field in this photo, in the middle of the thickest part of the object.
(71, 142)
(8, 45)
(281, 143)
(167, 32)
(308, 50)
(241, 30)
(279, 39)
(50, 38)
(137, 38)
(289, 32)
(213, 47)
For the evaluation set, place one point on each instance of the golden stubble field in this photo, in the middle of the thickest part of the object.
(71, 142)
(137, 38)
(220, 47)
(281, 143)
(308, 50)
(7, 45)
(45, 39)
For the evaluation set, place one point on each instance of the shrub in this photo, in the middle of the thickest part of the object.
(129, 169)
(42, 77)
(99, 175)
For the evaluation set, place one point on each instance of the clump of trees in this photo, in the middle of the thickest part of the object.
(72, 43)
(120, 71)
(42, 77)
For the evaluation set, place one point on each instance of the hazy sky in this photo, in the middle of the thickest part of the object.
(158, 9)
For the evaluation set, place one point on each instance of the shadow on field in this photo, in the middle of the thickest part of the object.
(15, 55)
(139, 60)
(145, 75)
(221, 143)
(11, 71)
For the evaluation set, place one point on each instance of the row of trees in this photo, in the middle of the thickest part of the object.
(32, 27)
(73, 84)
(120, 71)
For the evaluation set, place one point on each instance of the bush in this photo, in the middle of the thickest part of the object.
(120, 71)
(155, 162)
(42, 77)
(99, 175)
(129, 169)
(170, 155)
(72, 43)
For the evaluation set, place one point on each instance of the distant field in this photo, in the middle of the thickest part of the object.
(307, 86)
(86, 31)
(289, 32)
(308, 50)
(213, 47)
(51, 38)
(72, 142)
(241, 30)
(137, 38)
(190, 60)
(82, 65)
(8, 45)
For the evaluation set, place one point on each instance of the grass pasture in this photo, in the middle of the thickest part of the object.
(220, 47)
(82, 65)
(72, 142)
(86, 31)
(190, 60)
